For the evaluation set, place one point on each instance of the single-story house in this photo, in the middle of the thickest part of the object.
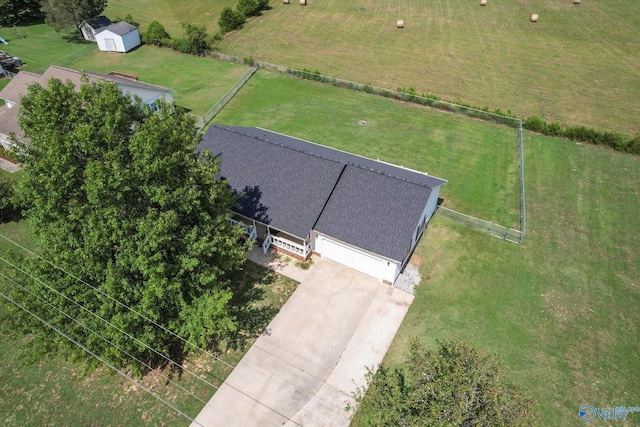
(17, 88)
(90, 27)
(302, 198)
(121, 37)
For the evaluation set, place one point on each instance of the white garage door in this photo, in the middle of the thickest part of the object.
(353, 258)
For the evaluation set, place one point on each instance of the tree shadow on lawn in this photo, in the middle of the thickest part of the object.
(76, 38)
(251, 304)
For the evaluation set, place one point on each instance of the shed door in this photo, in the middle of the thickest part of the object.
(353, 258)
(111, 45)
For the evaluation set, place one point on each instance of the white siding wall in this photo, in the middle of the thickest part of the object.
(100, 39)
(120, 43)
(429, 209)
(356, 258)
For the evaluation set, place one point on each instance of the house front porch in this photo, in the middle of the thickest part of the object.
(268, 237)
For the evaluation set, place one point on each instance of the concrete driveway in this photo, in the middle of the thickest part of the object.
(303, 369)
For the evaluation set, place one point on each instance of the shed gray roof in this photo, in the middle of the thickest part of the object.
(121, 28)
(296, 186)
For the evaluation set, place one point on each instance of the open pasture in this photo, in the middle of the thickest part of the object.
(579, 64)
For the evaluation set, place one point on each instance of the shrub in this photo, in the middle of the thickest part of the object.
(535, 124)
(230, 20)
(9, 209)
(128, 18)
(451, 385)
(196, 41)
(614, 140)
(248, 7)
(156, 35)
(554, 129)
(633, 145)
(263, 4)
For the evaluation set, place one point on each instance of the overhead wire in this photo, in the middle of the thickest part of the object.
(146, 318)
(99, 335)
(190, 344)
(168, 359)
(128, 377)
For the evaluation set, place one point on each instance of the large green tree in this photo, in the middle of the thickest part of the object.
(451, 385)
(63, 14)
(117, 197)
(14, 11)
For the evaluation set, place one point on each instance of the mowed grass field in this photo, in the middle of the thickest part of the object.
(171, 13)
(42, 46)
(579, 64)
(478, 159)
(198, 82)
(562, 308)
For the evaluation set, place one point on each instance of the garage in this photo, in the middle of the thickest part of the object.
(354, 258)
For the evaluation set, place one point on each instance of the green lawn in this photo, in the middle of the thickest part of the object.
(42, 46)
(52, 390)
(198, 82)
(170, 13)
(478, 159)
(562, 308)
(579, 64)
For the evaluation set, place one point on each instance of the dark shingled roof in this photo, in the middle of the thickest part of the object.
(296, 186)
(281, 187)
(341, 156)
(373, 211)
(98, 22)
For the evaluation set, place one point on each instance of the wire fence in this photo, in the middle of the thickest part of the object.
(66, 60)
(410, 96)
(202, 121)
(491, 228)
(482, 225)
(523, 207)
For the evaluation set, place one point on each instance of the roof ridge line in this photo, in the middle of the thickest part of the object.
(278, 144)
(348, 163)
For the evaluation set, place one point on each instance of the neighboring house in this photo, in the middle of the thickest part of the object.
(120, 37)
(304, 198)
(91, 27)
(17, 88)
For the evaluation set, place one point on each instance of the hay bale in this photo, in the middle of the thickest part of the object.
(534, 17)
(285, 1)
(303, 2)
(576, 1)
(483, 2)
(400, 23)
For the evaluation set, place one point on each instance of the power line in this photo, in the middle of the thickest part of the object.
(119, 303)
(113, 326)
(148, 390)
(144, 317)
(99, 335)
(229, 385)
